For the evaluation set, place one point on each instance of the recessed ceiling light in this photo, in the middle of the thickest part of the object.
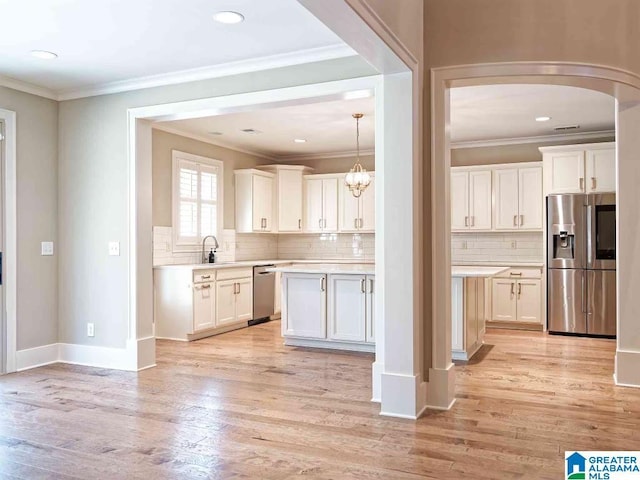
(543, 119)
(251, 131)
(300, 140)
(228, 18)
(215, 133)
(43, 54)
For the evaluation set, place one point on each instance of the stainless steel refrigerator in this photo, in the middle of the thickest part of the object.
(581, 264)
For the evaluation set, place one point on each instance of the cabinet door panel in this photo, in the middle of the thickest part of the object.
(563, 172)
(304, 310)
(347, 307)
(244, 299)
(601, 170)
(529, 301)
(459, 200)
(349, 210)
(530, 198)
(289, 201)
(203, 306)
(368, 207)
(225, 302)
(471, 311)
(313, 205)
(371, 309)
(503, 291)
(330, 205)
(506, 201)
(480, 200)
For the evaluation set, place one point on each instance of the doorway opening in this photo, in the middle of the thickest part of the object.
(607, 81)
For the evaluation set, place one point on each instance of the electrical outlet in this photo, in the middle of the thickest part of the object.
(90, 330)
(464, 245)
(513, 244)
(114, 249)
(46, 249)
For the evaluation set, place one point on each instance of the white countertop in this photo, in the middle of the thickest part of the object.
(475, 271)
(344, 268)
(251, 263)
(499, 264)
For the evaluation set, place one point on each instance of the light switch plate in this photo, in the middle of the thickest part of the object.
(46, 248)
(114, 249)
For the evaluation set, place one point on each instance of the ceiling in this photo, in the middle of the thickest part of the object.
(496, 112)
(106, 41)
(328, 128)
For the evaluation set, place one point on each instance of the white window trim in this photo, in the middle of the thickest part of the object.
(176, 156)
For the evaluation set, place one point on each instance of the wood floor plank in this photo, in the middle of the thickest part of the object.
(243, 406)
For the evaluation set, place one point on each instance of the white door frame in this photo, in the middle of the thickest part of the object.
(9, 256)
(625, 87)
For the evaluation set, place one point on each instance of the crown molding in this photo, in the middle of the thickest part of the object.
(27, 87)
(204, 139)
(205, 73)
(499, 142)
(328, 155)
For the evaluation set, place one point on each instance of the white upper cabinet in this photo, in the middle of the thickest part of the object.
(530, 198)
(289, 196)
(518, 198)
(480, 200)
(357, 214)
(506, 192)
(601, 170)
(470, 199)
(254, 201)
(586, 168)
(321, 203)
(459, 200)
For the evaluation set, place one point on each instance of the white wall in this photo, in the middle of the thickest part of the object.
(93, 198)
(37, 213)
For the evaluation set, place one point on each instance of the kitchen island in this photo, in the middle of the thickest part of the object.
(468, 319)
(329, 306)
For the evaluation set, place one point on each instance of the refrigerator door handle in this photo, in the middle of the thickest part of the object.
(590, 236)
(584, 293)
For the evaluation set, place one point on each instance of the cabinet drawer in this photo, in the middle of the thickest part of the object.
(524, 272)
(201, 276)
(228, 273)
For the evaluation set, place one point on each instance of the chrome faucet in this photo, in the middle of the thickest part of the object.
(205, 259)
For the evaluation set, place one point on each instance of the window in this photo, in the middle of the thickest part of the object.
(197, 198)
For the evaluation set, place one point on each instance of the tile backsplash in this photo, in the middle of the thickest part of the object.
(497, 247)
(327, 246)
(241, 246)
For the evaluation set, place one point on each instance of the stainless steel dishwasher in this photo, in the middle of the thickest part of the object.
(264, 291)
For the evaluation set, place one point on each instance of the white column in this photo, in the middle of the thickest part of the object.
(397, 265)
(441, 385)
(627, 368)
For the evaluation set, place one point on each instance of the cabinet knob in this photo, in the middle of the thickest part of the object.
(581, 183)
(363, 285)
(593, 183)
(299, 224)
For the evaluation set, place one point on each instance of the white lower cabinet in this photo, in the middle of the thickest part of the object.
(467, 316)
(234, 300)
(517, 297)
(191, 304)
(304, 308)
(347, 308)
(204, 306)
(328, 311)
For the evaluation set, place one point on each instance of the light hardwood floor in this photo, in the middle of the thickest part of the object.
(241, 405)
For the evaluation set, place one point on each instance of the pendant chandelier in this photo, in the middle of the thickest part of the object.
(357, 180)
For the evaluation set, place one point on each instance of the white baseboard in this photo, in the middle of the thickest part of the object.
(36, 357)
(627, 370)
(403, 396)
(376, 381)
(138, 355)
(441, 388)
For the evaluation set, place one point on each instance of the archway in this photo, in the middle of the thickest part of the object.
(622, 85)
